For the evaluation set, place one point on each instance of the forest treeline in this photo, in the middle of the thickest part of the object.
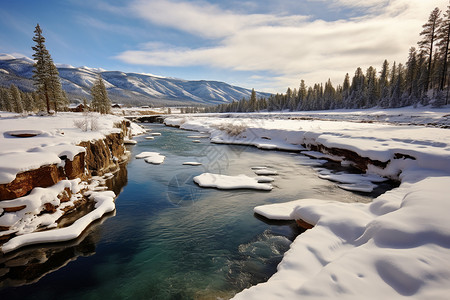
(422, 80)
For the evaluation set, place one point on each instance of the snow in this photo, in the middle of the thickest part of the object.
(104, 204)
(57, 137)
(395, 247)
(265, 179)
(129, 142)
(363, 187)
(343, 177)
(151, 157)
(352, 182)
(366, 249)
(265, 172)
(418, 146)
(227, 182)
(4, 56)
(198, 136)
(56, 141)
(18, 162)
(29, 219)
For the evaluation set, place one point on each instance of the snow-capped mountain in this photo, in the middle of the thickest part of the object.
(127, 88)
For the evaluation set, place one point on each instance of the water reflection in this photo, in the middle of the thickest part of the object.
(29, 264)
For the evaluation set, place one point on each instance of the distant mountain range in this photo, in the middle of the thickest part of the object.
(125, 88)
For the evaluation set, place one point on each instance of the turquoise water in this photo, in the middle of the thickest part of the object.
(169, 238)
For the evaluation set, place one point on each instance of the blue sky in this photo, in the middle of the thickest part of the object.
(267, 45)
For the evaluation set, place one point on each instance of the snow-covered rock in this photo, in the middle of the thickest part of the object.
(227, 182)
(151, 157)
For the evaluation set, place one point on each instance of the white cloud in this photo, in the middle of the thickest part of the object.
(354, 3)
(289, 47)
(200, 19)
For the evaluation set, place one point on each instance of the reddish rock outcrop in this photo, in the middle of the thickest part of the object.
(101, 156)
(24, 182)
(74, 168)
(303, 224)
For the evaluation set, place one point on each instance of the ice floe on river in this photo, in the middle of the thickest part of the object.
(151, 157)
(227, 182)
(353, 182)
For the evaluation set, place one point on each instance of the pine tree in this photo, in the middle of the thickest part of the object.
(45, 74)
(397, 88)
(17, 105)
(28, 102)
(357, 99)
(38, 101)
(412, 78)
(371, 91)
(302, 92)
(443, 36)
(5, 99)
(252, 103)
(429, 34)
(100, 100)
(384, 85)
(346, 86)
(58, 96)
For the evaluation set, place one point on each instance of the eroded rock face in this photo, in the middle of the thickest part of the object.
(24, 182)
(75, 168)
(359, 162)
(103, 156)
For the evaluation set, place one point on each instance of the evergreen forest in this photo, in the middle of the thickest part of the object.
(422, 80)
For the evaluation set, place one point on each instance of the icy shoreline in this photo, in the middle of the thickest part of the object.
(396, 246)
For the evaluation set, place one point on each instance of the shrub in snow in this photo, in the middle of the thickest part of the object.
(94, 124)
(88, 122)
(232, 129)
(82, 124)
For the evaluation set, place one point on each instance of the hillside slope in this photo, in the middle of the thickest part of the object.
(126, 88)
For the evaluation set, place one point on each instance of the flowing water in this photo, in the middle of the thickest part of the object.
(169, 238)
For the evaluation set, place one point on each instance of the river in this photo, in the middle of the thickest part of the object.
(169, 238)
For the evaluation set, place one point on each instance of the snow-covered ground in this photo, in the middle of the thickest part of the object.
(55, 136)
(395, 247)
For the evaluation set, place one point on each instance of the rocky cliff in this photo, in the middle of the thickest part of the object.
(101, 156)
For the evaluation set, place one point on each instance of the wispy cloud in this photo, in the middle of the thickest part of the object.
(109, 27)
(289, 47)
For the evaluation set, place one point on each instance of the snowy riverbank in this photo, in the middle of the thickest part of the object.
(49, 147)
(396, 246)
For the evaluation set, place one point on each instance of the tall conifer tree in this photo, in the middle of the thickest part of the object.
(45, 74)
(100, 100)
(429, 34)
